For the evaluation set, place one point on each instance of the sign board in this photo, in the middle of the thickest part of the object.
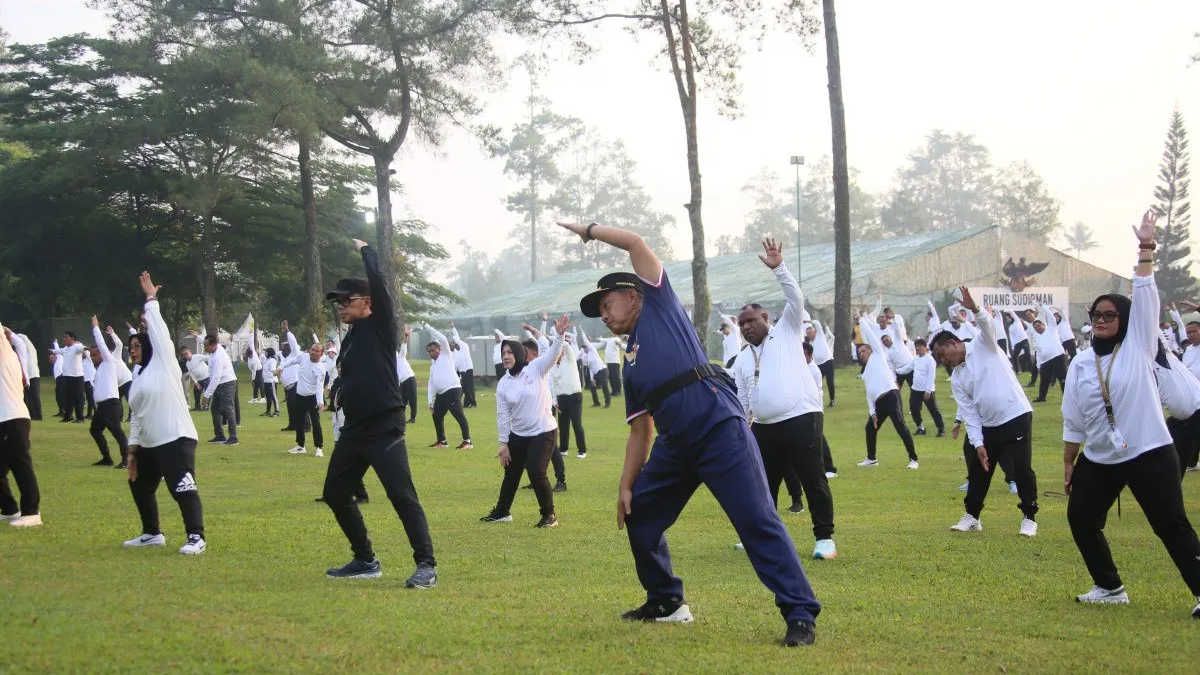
(1030, 298)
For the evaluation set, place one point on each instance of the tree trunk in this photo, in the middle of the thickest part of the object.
(533, 216)
(385, 232)
(842, 327)
(207, 279)
(700, 298)
(312, 251)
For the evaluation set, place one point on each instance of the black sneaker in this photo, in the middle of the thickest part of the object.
(527, 486)
(941, 433)
(217, 439)
(496, 517)
(232, 441)
(548, 521)
(560, 486)
(439, 444)
(919, 432)
(800, 634)
(356, 569)
(362, 500)
(796, 507)
(103, 461)
(122, 465)
(663, 611)
(424, 577)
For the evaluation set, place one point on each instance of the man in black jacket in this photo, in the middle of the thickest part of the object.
(373, 433)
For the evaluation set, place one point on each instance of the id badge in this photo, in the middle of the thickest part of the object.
(1118, 440)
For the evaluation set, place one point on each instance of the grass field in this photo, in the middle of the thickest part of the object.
(905, 594)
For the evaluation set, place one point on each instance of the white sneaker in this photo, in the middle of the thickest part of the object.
(1196, 610)
(964, 486)
(9, 516)
(195, 545)
(831, 474)
(825, 550)
(297, 450)
(1194, 468)
(26, 521)
(146, 540)
(739, 547)
(912, 464)
(868, 462)
(1028, 528)
(1012, 488)
(968, 523)
(318, 453)
(1103, 596)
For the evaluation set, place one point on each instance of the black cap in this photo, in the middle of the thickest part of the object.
(348, 287)
(590, 303)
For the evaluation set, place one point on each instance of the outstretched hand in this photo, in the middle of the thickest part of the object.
(1145, 231)
(578, 228)
(95, 322)
(772, 255)
(561, 324)
(148, 286)
(967, 302)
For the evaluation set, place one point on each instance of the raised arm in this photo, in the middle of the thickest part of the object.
(118, 349)
(547, 356)
(1180, 327)
(11, 348)
(645, 264)
(1146, 306)
(439, 338)
(156, 328)
(382, 303)
(933, 310)
(98, 338)
(870, 333)
(793, 311)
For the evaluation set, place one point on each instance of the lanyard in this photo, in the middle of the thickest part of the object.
(757, 360)
(1104, 394)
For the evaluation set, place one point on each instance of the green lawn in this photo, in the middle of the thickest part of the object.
(904, 595)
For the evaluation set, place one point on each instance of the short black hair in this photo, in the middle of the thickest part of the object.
(433, 343)
(942, 338)
(531, 344)
(1193, 323)
(71, 335)
(919, 342)
(210, 339)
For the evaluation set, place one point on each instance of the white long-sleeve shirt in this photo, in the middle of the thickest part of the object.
(104, 386)
(773, 384)
(220, 370)
(496, 357)
(462, 358)
(310, 378)
(442, 375)
(878, 378)
(984, 385)
(1133, 392)
(1178, 389)
(197, 368)
(12, 383)
(1191, 359)
(924, 373)
(1049, 345)
(564, 375)
(72, 359)
(289, 366)
(523, 402)
(899, 358)
(31, 357)
(1016, 329)
(21, 351)
(822, 351)
(89, 369)
(160, 409)
(123, 373)
(612, 349)
(404, 369)
(817, 377)
(731, 342)
(1064, 327)
(269, 366)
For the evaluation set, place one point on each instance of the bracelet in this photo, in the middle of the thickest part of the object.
(588, 231)
(1145, 261)
(1147, 246)
(151, 298)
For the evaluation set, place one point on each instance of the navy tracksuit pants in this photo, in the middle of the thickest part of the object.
(729, 463)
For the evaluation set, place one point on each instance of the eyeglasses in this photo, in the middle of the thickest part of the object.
(1104, 317)
(344, 302)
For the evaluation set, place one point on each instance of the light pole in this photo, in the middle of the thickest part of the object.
(798, 161)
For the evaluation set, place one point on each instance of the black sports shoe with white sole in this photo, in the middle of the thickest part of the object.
(356, 569)
(662, 611)
(424, 577)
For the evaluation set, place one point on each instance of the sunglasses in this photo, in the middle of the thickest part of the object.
(344, 302)
(1103, 317)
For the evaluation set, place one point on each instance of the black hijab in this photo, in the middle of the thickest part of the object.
(147, 351)
(1104, 346)
(518, 352)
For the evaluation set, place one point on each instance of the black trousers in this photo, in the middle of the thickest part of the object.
(600, 381)
(108, 418)
(307, 407)
(916, 399)
(796, 443)
(614, 378)
(570, 416)
(408, 397)
(60, 397)
(33, 398)
(888, 407)
(268, 393)
(1014, 440)
(827, 371)
(901, 380)
(379, 445)
(792, 479)
(529, 454)
(499, 367)
(198, 393)
(123, 394)
(222, 408)
(289, 402)
(1069, 348)
(1022, 358)
(467, 378)
(256, 383)
(174, 462)
(1053, 370)
(89, 395)
(1185, 434)
(15, 457)
(1153, 477)
(73, 391)
(449, 402)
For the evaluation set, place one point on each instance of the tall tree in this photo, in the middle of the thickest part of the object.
(1021, 202)
(946, 185)
(1079, 238)
(701, 39)
(841, 188)
(1173, 265)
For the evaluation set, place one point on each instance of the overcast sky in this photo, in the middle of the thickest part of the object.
(1082, 91)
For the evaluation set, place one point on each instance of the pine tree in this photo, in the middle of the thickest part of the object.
(1174, 276)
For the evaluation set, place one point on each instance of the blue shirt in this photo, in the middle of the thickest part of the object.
(664, 344)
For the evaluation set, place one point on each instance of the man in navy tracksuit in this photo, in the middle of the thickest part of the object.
(702, 438)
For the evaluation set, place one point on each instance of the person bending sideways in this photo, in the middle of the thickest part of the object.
(373, 433)
(526, 427)
(1111, 408)
(703, 437)
(162, 437)
(883, 396)
(997, 415)
(444, 392)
